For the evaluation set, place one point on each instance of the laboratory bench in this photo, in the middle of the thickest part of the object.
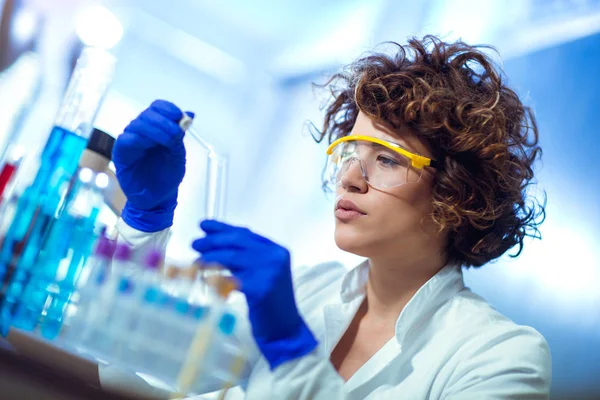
(33, 368)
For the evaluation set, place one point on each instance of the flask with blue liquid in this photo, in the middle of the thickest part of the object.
(70, 240)
(43, 201)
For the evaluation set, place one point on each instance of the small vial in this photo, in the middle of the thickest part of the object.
(94, 276)
(132, 343)
(9, 169)
(100, 334)
(218, 328)
(156, 326)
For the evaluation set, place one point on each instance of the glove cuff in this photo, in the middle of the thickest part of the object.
(150, 221)
(291, 347)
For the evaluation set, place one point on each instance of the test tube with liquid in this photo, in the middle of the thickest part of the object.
(83, 210)
(179, 317)
(68, 244)
(128, 316)
(43, 200)
(218, 327)
(102, 331)
(9, 194)
(150, 335)
(9, 170)
(90, 285)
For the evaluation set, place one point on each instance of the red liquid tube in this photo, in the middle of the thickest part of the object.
(10, 167)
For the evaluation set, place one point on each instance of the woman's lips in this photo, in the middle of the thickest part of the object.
(346, 210)
(347, 215)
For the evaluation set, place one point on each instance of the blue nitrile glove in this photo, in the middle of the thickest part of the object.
(263, 269)
(149, 157)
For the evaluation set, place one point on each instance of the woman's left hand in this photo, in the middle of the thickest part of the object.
(264, 271)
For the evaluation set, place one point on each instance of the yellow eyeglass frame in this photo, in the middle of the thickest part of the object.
(417, 161)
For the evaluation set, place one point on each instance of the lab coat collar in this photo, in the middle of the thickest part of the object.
(354, 283)
(436, 291)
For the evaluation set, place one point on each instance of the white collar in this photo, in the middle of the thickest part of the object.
(436, 291)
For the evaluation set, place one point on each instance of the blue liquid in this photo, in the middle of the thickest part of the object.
(51, 329)
(36, 211)
(32, 299)
(82, 247)
(27, 314)
(11, 300)
(59, 162)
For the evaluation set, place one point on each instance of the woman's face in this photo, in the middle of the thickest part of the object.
(391, 220)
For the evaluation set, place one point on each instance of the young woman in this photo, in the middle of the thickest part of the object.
(430, 157)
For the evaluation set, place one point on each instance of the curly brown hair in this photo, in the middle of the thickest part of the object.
(453, 96)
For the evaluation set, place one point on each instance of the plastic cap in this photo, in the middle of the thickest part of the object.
(112, 246)
(101, 245)
(227, 323)
(101, 142)
(104, 248)
(154, 259)
(185, 122)
(223, 285)
(123, 252)
(172, 272)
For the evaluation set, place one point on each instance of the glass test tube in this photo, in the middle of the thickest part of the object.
(85, 92)
(10, 168)
(215, 189)
(216, 174)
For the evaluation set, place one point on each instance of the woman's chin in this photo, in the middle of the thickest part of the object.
(351, 242)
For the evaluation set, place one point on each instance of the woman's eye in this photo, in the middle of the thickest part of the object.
(387, 161)
(346, 155)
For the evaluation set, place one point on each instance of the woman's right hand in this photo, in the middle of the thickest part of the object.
(149, 157)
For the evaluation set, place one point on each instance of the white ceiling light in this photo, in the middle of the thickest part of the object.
(25, 25)
(189, 49)
(344, 41)
(98, 27)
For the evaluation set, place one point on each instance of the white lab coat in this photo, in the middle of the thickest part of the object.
(449, 343)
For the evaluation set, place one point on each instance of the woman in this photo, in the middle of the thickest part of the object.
(430, 158)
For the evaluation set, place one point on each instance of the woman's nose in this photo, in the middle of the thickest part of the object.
(353, 178)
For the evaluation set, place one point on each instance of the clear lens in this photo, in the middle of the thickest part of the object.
(338, 163)
(382, 167)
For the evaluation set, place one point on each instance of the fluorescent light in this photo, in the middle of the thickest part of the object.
(86, 175)
(343, 42)
(534, 37)
(24, 25)
(96, 26)
(190, 49)
(102, 180)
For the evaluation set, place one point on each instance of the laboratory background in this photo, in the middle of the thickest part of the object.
(247, 70)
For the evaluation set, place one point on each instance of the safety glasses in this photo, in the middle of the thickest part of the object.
(383, 164)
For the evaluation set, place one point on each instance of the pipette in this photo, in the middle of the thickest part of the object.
(186, 124)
